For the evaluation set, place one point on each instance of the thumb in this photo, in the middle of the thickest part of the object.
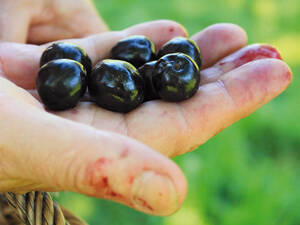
(40, 151)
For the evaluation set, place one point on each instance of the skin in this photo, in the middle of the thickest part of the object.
(42, 21)
(92, 151)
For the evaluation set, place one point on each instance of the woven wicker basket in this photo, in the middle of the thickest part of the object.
(34, 208)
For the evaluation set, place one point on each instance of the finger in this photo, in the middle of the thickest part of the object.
(237, 59)
(20, 63)
(14, 23)
(41, 151)
(219, 40)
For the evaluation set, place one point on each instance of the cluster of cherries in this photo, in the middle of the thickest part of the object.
(133, 75)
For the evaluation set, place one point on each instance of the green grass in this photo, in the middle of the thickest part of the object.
(249, 173)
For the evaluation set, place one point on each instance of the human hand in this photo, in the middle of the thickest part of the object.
(41, 21)
(41, 151)
(93, 161)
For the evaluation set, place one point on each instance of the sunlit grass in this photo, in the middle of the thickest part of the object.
(185, 216)
(266, 9)
(78, 204)
(289, 46)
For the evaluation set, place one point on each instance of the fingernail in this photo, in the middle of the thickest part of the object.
(154, 193)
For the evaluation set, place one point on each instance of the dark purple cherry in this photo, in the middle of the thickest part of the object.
(61, 83)
(65, 50)
(146, 71)
(183, 45)
(176, 77)
(116, 85)
(136, 50)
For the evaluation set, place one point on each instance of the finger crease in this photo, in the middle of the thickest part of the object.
(126, 126)
(185, 131)
(221, 84)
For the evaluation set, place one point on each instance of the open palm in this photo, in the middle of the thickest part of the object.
(100, 153)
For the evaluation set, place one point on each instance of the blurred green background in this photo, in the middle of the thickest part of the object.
(249, 173)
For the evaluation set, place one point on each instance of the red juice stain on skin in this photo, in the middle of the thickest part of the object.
(124, 153)
(248, 54)
(131, 179)
(144, 203)
(115, 195)
(105, 181)
(99, 182)
(100, 163)
(94, 177)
